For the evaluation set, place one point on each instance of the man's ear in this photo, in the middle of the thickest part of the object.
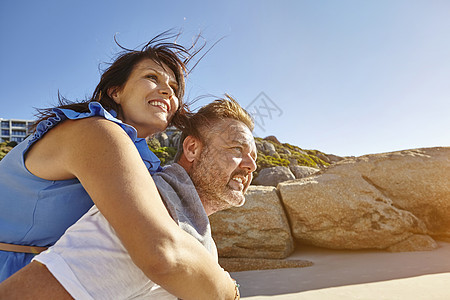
(192, 147)
(113, 93)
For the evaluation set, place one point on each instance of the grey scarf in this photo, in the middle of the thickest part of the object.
(184, 205)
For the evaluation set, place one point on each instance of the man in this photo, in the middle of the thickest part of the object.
(213, 170)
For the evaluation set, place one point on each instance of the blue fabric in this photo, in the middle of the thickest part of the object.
(35, 211)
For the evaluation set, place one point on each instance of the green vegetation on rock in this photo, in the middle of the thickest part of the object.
(165, 154)
(5, 147)
(287, 154)
(267, 161)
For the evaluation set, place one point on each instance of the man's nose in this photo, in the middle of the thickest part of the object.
(248, 163)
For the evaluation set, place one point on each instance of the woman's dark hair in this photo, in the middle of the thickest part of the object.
(175, 56)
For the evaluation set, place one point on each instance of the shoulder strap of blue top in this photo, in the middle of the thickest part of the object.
(151, 161)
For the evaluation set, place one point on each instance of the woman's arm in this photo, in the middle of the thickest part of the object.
(33, 282)
(102, 156)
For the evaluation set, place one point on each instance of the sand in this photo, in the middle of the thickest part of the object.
(343, 274)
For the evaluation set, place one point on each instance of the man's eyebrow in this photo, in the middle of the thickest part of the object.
(242, 142)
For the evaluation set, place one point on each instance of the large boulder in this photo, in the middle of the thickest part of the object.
(417, 181)
(345, 212)
(272, 176)
(258, 229)
(395, 201)
(269, 148)
(303, 171)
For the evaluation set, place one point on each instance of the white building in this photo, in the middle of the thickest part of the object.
(14, 130)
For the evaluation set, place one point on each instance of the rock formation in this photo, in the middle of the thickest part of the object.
(303, 171)
(258, 229)
(273, 176)
(417, 181)
(395, 201)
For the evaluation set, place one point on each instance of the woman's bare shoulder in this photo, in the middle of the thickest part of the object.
(87, 127)
(50, 157)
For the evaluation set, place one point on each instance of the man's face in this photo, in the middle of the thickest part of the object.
(223, 171)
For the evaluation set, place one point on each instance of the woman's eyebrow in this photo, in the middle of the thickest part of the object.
(171, 79)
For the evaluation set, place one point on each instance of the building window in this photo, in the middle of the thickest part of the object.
(17, 139)
(5, 124)
(5, 132)
(19, 124)
(19, 132)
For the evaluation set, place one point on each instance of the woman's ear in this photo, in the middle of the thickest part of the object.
(114, 94)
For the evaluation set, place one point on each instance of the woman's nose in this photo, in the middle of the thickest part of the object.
(166, 89)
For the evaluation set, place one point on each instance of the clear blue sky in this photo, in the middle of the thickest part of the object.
(347, 77)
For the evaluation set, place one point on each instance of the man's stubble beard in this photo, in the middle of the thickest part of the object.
(212, 185)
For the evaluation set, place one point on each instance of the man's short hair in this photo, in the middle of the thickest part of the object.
(207, 116)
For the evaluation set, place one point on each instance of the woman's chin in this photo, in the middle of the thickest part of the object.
(151, 129)
(159, 127)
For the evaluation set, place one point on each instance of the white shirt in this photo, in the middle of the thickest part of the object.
(91, 262)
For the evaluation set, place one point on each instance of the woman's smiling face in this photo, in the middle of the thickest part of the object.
(148, 98)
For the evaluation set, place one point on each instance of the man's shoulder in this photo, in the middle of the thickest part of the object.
(172, 174)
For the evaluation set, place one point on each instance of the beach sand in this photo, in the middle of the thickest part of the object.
(345, 274)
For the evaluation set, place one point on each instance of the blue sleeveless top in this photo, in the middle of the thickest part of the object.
(35, 211)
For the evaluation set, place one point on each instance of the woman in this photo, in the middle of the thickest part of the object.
(95, 152)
